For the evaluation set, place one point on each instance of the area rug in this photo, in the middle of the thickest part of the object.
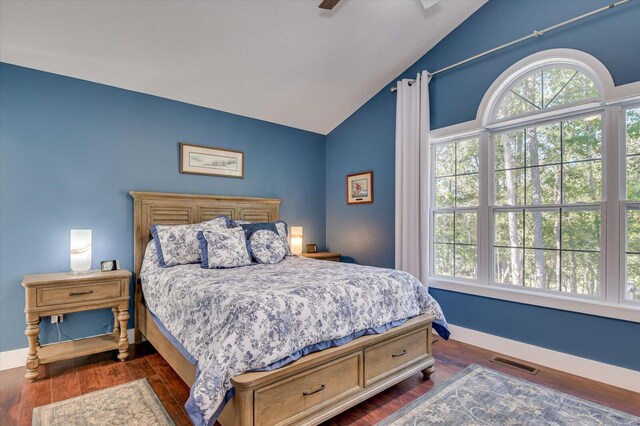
(133, 403)
(480, 396)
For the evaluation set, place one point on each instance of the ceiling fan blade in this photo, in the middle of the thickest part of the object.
(428, 3)
(328, 4)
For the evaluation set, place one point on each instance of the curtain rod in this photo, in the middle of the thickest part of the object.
(521, 39)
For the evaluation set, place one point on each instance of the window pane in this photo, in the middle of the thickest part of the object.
(541, 269)
(632, 287)
(543, 185)
(445, 192)
(508, 266)
(543, 145)
(633, 153)
(581, 230)
(582, 138)
(579, 88)
(466, 228)
(468, 156)
(582, 182)
(581, 273)
(443, 227)
(633, 131)
(443, 259)
(555, 81)
(542, 229)
(633, 231)
(466, 262)
(467, 191)
(508, 229)
(633, 177)
(512, 104)
(509, 187)
(546, 88)
(509, 150)
(445, 159)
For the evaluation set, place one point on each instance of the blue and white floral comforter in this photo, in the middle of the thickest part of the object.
(230, 321)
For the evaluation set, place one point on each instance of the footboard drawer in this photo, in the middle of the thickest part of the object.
(387, 357)
(288, 401)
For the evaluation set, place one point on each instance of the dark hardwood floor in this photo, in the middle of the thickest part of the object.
(67, 379)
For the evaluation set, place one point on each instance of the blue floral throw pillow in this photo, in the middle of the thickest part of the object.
(281, 228)
(178, 244)
(224, 249)
(283, 231)
(267, 246)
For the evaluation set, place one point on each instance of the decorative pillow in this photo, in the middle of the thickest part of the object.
(283, 231)
(178, 244)
(281, 228)
(267, 246)
(235, 223)
(224, 249)
(250, 228)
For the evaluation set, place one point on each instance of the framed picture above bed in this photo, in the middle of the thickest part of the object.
(207, 160)
(360, 188)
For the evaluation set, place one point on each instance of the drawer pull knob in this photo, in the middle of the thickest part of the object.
(403, 352)
(311, 392)
(80, 293)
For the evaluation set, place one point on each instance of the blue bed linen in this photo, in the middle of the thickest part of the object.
(213, 316)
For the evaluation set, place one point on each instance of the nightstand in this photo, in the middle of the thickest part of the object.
(323, 255)
(63, 293)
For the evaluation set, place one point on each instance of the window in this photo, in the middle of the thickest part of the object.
(537, 200)
(546, 88)
(456, 199)
(557, 165)
(632, 211)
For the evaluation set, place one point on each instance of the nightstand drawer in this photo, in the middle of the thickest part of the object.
(60, 295)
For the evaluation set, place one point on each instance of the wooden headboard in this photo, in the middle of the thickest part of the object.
(157, 208)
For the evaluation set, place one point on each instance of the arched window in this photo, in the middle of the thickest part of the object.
(548, 87)
(541, 149)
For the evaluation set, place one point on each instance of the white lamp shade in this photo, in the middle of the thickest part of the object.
(80, 250)
(296, 239)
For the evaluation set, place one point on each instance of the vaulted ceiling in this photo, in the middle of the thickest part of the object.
(286, 62)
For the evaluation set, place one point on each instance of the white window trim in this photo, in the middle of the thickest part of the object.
(614, 101)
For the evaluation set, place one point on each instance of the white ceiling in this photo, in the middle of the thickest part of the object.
(287, 62)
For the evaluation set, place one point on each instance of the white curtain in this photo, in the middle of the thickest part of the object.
(412, 176)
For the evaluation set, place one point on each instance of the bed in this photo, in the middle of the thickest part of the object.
(303, 374)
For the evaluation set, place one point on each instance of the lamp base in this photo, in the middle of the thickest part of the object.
(88, 271)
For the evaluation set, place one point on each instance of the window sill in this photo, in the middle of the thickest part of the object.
(626, 312)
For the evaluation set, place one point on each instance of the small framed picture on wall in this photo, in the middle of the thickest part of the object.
(360, 188)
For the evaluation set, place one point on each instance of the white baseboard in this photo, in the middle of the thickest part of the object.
(17, 357)
(594, 370)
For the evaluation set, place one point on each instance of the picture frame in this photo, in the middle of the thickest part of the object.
(211, 161)
(312, 248)
(109, 265)
(360, 188)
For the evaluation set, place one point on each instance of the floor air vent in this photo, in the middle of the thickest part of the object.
(514, 364)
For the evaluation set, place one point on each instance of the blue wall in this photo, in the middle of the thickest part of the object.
(70, 151)
(365, 233)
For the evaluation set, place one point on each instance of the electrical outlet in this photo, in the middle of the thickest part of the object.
(57, 318)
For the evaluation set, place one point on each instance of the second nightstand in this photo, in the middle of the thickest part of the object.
(323, 255)
(54, 294)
